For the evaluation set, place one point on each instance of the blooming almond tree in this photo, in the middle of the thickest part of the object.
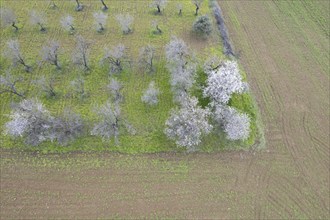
(223, 82)
(188, 124)
(30, 120)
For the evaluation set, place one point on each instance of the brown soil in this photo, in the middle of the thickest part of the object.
(287, 65)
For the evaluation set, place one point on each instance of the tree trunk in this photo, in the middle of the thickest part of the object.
(197, 8)
(42, 28)
(105, 7)
(85, 62)
(158, 29)
(14, 25)
(101, 27)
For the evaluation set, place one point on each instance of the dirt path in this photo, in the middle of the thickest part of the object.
(285, 53)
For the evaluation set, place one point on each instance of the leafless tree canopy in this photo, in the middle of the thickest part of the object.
(8, 18)
(80, 55)
(67, 23)
(150, 96)
(100, 20)
(49, 53)
(13, 52)
(115, 58)
(125, 22)
(8, 84)
(38, 19)
(146, 58)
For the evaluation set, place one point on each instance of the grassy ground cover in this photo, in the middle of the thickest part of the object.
(149, 122)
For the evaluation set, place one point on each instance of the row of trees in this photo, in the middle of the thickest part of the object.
(202, 24)
(9, 18)
(115, 58)
(158, 4)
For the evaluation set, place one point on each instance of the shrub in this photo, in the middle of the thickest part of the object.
(203, 25)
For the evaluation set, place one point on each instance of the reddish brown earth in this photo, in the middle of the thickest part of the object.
(286, 57)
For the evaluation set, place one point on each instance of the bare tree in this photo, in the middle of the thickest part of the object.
(150, 96)
(80, 55)
(8, 18)
(182, 80)
(30, 120)
(110, 122)
(100, 20)
(38, 19)
(181, 67)
(67, 23)
(79, 6)
(125, 22)
(198, 4)
(14, 53)
(115, 87)
(46, 85)
(146, 58)
(187, 125)
(159, 4)
(8, 84)
(105, 7)
(115, 58)
(78, 86)
(177, 52)
(155, 25)
(67, 127)
(180, 8)
(49, 53)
